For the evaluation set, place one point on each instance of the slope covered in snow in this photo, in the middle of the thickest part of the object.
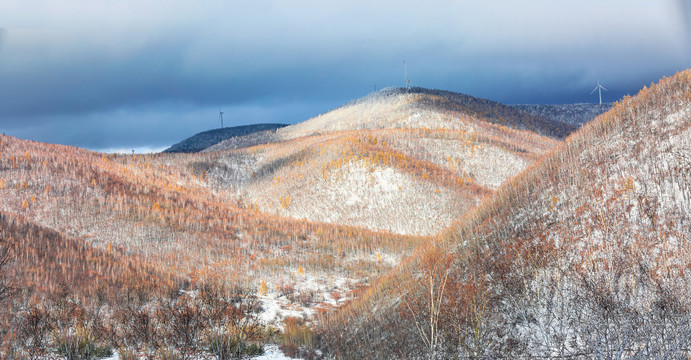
(585, 254)
(403, 161)
(404, 181)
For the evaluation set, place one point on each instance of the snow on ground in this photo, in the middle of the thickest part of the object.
(365, 195)
(272, 352)
(114, 357)
(277, 306)
(488, 164)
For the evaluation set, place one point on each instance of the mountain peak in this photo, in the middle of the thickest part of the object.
(401, 108)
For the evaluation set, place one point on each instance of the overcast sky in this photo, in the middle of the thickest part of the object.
(146, 74)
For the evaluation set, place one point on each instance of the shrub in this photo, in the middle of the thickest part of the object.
(296, 332)
(127, 354)
(254, 349)
(168, 354)
(81, 347)
(229, 348)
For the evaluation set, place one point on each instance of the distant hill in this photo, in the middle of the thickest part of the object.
(574, 114)
(407, 161)
(203, 140)
(245, 141)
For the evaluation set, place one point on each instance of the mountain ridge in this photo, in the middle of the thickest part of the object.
(574, 114)
(393, 108)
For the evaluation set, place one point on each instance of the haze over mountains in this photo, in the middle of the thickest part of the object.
(531, 245)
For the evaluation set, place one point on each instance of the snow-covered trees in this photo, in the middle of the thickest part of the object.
(584, 255)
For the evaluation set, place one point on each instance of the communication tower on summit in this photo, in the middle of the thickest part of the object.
(405, 76)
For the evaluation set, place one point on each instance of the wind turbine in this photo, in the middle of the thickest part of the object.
(220, 115)
(599, 89)
(405, 76)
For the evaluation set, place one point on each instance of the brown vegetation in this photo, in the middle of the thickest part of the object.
(158, 255)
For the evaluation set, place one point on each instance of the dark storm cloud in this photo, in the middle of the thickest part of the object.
(685, 12)
(131, 74)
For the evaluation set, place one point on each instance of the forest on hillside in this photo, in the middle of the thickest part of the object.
(573, 249)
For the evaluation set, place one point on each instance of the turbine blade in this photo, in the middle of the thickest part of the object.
(594, 90)
(603, 88)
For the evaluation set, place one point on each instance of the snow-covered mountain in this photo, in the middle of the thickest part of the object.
(585, 254)
(408, 161)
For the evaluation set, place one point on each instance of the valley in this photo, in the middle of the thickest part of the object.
(325, 233)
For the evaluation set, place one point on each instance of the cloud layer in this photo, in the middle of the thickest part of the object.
(149, 73)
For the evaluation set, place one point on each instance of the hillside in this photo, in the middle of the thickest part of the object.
(205, 139)
(574, 114)
(585, 254)
(403, 162)
(52, 262)
(156, 209)
(284, 231)
(288, 219)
